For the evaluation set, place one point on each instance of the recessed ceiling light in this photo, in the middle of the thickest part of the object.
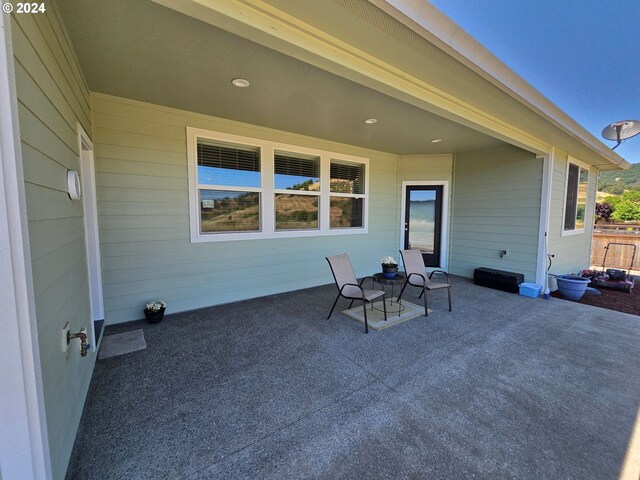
(240, 82)
(371, 121)
(436, 140)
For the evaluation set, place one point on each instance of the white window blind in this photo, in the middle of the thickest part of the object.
(220, 163)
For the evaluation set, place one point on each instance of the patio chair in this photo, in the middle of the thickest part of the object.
(349, 288)
(417, 276)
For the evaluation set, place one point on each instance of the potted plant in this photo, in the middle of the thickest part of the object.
(389, 267)
(154, 311)
(592, 275)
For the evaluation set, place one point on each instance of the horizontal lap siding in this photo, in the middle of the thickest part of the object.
(143, 208)
(496, 204)
(52, 97)
(571, 252)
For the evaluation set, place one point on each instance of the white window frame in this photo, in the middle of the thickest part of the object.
(267, 190)
(317, 194)
(578, 163)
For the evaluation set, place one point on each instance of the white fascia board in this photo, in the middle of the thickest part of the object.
(433, 25)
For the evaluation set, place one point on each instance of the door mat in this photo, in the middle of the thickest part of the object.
(121, 343)
(375, 315)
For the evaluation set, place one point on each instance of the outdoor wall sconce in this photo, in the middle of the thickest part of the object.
(73, 185)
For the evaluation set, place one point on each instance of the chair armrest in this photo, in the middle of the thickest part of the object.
(352, 285)
(439, 271)
(424, 279)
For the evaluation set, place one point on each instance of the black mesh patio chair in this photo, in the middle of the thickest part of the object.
(417, 276)
(349, 288)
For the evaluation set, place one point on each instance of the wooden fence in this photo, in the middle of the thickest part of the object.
(618, 256)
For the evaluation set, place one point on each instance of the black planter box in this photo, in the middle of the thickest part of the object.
(498, 279)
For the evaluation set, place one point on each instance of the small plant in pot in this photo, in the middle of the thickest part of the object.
(154, 311)
(591, 275)
(389, 267)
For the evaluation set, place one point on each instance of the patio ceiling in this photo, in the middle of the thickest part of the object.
(144, 51)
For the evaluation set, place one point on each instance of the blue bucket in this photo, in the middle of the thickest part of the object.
(572, 287)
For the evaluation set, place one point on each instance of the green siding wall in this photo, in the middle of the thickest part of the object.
(425, 167)
(572, 252)
(141, 175)
(496, 204)
(52, 97)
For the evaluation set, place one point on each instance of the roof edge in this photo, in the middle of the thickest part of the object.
(436, 27)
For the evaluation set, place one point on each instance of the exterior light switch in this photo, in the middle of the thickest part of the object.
(65, 337)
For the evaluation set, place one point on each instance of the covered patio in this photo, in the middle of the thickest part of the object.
(502, 387)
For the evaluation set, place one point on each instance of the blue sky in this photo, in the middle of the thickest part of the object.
(583, 55)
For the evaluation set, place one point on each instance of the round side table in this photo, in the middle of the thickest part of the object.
(380, 279)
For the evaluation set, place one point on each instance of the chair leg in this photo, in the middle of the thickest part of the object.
(449, 292)
(351, 303)
(366, 322)
(402, 291)
(426, 306)
(334, 306)
(421, 293)
(384, 306)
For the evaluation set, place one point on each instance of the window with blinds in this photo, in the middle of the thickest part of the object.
(228, 185)
(346, 203)
(576, 198)
(295, 172)
(347, 177)
(221, 163)
(247, 188)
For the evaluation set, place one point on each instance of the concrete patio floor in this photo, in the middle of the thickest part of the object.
(503, 387)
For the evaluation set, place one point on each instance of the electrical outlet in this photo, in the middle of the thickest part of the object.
(65, 337)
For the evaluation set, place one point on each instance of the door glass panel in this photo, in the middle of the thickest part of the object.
(422, 216)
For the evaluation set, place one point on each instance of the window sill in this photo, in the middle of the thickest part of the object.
(234, 237)
(570, 233)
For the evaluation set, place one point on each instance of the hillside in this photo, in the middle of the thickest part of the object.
(617, 181)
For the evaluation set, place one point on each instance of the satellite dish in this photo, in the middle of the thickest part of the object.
(619, 131)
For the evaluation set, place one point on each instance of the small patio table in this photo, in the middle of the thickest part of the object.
(383, 281)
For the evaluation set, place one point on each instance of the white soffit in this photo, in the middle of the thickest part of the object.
(265, 24)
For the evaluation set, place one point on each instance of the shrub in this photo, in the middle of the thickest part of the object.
(603, 211)
(626, 211)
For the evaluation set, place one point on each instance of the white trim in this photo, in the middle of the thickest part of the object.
(429, 22)
(92, 232)
(279, 28)
(545, 213)
(569, 233)
(575, 161)
(578, 163)
(24, 446)
(444, 234)
(267, 190)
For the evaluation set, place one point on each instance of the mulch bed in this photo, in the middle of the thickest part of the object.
(612, 299)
